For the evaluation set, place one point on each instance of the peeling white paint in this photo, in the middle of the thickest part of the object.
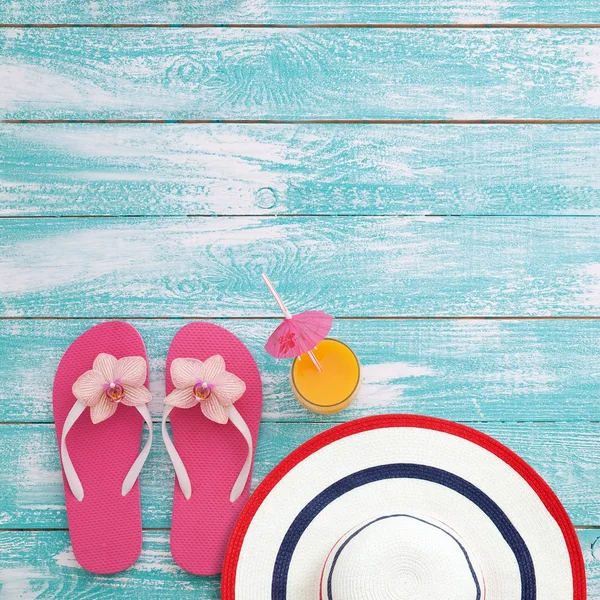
(159, 539)
(83, 255)
(19, 583)
(588, 278)
(23, 82)
(533, 379)
(383, 383)
(35, 482)
(200, 155)
(66, 559)
(478, 11)
(588, 76)
(160, 561)
(156, 385)
(386, 372)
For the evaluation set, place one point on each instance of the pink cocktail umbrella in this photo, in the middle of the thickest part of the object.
(298, 334)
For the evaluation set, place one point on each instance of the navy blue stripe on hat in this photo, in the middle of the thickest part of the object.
(405, 471)
(355, 533)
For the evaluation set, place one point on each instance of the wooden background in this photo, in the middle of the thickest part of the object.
(428, 172)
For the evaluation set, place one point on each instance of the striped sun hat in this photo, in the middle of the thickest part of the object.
(403, 507)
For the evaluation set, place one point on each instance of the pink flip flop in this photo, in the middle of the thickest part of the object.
(104, 369)
(208, 370)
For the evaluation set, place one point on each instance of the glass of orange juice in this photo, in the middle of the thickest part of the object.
(332, 388)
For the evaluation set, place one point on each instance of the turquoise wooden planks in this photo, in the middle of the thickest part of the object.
(350, 266)
(322, 11)
(33, 497)
(145, 169)
(42, 564)
(273, 73)
(462, 370)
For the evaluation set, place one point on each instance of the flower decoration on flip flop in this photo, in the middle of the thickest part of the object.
(209, 384)
(111, 382)
(206, 383)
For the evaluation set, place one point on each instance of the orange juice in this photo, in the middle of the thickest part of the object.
(333, 388)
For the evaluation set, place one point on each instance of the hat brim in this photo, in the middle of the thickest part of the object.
(508, 515)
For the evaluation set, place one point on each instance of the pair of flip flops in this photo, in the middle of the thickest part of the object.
(214, 401)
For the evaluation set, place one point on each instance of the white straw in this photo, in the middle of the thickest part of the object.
(287, 315)
(315, 361)
(284, 310)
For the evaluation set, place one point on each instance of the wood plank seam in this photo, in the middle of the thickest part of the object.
(218, 318)
(303, 121)
(302, 25)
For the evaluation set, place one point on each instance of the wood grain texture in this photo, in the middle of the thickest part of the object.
(145, 169)
(225, 73)
(351, 266)
(33, 497)
(42, 564)
(316, 11)
(461, 370)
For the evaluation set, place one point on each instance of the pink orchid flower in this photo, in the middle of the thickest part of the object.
(110, 382)
(207, 383)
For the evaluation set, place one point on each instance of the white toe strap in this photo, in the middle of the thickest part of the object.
(137, 466)
(69, 470)
(180, 470)
(240, 424)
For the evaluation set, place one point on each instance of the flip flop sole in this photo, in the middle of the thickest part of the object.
(105, 527)
(213, 454)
